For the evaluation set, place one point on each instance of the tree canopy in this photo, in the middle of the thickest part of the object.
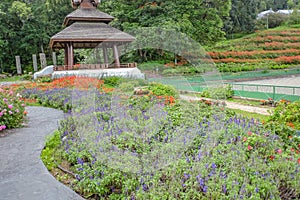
(27, 25)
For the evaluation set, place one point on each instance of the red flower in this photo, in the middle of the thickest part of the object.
(272, 157)
(250, 147)
(298, 160)
(249, 133)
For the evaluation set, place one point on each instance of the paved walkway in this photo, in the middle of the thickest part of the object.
(22, 174)
(253, 109)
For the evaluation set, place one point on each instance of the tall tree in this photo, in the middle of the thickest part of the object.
(199, 19)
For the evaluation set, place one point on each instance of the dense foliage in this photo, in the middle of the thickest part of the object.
(26, 26)
(149, 147)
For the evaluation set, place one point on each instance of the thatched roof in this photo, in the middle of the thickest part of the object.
(87, 14)
(89, 35)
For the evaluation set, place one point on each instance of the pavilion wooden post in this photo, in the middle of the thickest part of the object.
(34, 60)
(105, 55)
(18, 64)
(70, 55)
(66, 55)
(116, 55)
(98, 57)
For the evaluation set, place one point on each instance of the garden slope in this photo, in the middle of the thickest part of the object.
(23, 175)
(278, 46)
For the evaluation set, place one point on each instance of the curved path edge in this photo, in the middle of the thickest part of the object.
(22, 173)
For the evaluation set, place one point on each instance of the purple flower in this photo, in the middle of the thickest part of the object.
(256, 190)
(213, 165)
(224, 189)
(77, 177)
(145, 187)
(205, 189)
(80, 161)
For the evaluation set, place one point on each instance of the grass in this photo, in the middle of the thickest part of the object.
(11, 79)
(246, 102)
(250, 115)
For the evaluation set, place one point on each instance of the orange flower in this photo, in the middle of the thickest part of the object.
(290, 124)
(25, 112)
(298, 160)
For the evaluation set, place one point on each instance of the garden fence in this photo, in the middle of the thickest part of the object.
(264, 92)
(291, 93)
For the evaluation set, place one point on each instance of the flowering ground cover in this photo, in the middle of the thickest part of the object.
(121, 146)
(12, 109)
(270, 47)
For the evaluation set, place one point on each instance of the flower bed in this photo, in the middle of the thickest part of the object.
(12, 109)
(275, 46)
(144, 147)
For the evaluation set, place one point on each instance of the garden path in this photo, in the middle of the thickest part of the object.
(22, 173)
(232, 105)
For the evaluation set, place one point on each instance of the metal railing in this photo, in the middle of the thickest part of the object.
(275, 92)
(255, 91)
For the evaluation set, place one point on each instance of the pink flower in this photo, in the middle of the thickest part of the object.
(10, 106)
(279, 151)
(10, 112)
(2, 127)
(250, 147)
(249, 133)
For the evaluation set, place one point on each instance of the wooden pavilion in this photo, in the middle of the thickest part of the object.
(87, 28)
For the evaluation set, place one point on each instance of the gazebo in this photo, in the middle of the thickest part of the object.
(87, 28)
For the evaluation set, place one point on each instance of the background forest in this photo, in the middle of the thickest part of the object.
(27, 25)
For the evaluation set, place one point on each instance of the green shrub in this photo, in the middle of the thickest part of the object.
(113, 81)
(44, 79)
(12, 109)
(287, 113)
(224, 92)
(159, 89)
(127, 86)
(47, 155)
(27, 77)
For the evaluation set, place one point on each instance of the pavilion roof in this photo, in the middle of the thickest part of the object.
(87, 14)
(89, 35)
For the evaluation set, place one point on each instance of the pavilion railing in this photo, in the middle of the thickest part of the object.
(93, 66)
